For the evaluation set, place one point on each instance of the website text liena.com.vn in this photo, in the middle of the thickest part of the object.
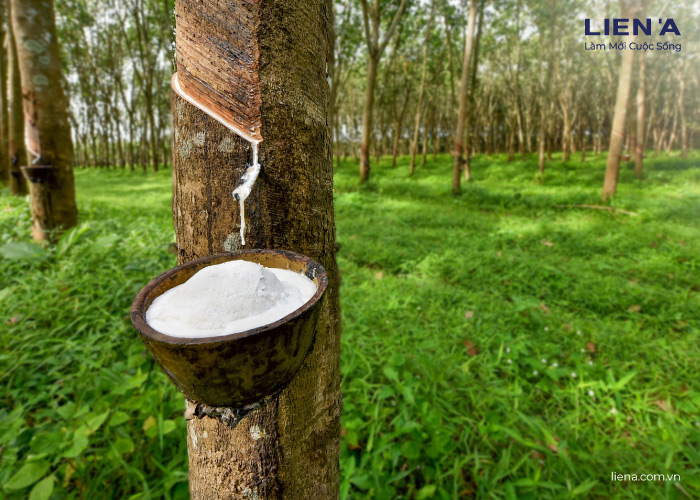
(616, 476)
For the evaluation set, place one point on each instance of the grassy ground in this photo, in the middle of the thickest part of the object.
(495, 344)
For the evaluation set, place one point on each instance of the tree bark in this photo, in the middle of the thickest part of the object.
(421, 91)
(376, 44)
(367, 123)
(289, 448)
(17, 153)
(4, 165)
(45, 110)
(463, 96)
(542, 136)
(681, 109)
(612, 170)
(468, 148)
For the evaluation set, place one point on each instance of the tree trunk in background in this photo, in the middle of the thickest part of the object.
(376, 44)
(367, 123)
(4, 165)
(290, 447)
(45, 108)
(542, 136)
(681, 108)
(468, 149)
(421, 91)
(463, 96)
(612, 170)
(639, 151)
(17, 153)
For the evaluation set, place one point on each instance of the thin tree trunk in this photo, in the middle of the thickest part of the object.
(681, 107)
(612, 170)
(548, 88)
(290, 447)
(472, 93)
(424, 150)
(421, 91)
(16, 148)
(4, 128)
(639, 151)
(463, 97)
(45, 105)
(367, 124)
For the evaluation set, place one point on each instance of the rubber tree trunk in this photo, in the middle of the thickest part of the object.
(469, 144)
(421, 90)
(681, 108)
(463, 97)
(289, 448)
(542, 135)
(367, 123)
(612, 170)
(45, 110)
(17, 153)
(4, 165)
(639, 150)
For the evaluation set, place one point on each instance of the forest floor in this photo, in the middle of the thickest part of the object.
(497, 344)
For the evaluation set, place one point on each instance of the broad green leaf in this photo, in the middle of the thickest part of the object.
(80, 442)
(17, 250)
(96, 422)
(168, 426)
(105, 241)
(118, 418)
(391, 374)
(28, 474)
(123, 445)
(42, 490)
(67, 410)
(47, 442)
(410, 449)
(426, 491)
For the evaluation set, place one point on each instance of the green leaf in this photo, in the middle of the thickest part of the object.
(5, 292)
(168, 426)
(123, 445)
(364, 481)
(426, 491)
(410, 450)
(42, 490)
(583, 487)
(118, 418)
(47, 442)
(17, 250)
(105, 241)
(28, 474)
(80, 442)
(391, 374)
(68, 238)
(623, 381)
(96, 422)
(67, 410)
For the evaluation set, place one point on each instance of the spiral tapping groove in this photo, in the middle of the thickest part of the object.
(218, 74)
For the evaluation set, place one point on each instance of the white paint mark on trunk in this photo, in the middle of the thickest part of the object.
(256, 433)
(193, 438)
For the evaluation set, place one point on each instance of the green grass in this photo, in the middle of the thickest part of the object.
(450, 306)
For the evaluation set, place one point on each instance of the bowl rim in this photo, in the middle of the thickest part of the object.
(138, 314)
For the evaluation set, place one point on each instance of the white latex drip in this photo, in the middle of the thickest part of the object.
(243, 191)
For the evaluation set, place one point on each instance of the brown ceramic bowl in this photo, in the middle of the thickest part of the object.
(242, 368)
